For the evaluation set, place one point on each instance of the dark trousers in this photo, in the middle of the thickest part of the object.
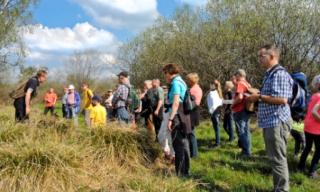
(310, 139)
(215, 118)
(182, 154)
(20, 106)
(193, 144)
(109, 113)
(64, 110)
(228, 125)
(299, 141)
(157, 120)
(47, 109)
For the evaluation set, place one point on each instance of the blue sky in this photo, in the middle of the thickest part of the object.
(67, 13)
(61, 27)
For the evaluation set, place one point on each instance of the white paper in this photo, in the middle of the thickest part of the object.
(227, 102)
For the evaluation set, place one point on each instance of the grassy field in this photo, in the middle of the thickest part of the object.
(49, 155)
(223, 169)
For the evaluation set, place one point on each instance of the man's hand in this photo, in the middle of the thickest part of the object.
(27, 110)
(156, 113)
(138, 110)
(170, 126)
(253, 97)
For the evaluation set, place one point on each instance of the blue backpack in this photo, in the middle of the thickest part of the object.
(300, 96)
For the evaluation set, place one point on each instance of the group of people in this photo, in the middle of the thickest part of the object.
(74, 103)
(163, 111)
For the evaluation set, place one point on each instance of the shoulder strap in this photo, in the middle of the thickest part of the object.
(273, 72)
(129, 89)
(181, 81)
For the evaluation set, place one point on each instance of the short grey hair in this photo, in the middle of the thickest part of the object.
(272, 48)
(316, 82)
(241, 72)
(148, 82)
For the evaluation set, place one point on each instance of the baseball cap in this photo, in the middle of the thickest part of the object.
(71, 87)
(123, 73)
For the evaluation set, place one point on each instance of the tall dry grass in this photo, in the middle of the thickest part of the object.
(47, 154)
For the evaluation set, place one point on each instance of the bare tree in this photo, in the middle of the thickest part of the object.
(85, 67)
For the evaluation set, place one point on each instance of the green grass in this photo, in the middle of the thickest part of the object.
(47, 155)
(223, 169)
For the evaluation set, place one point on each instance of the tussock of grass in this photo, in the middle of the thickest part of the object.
(47, 154)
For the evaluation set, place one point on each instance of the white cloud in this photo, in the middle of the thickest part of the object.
(50, 47)
(81, 36)
(121, 14)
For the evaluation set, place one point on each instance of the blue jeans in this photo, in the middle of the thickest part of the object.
(215, 118)
(228, 125)
(242, 125)
(71, 114)
(193, 144)
(123, 115)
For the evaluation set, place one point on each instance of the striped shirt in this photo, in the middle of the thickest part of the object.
(277, 83)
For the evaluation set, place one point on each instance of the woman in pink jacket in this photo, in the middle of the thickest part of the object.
(312, 130)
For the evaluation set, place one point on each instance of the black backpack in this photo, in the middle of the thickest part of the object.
(189, 102)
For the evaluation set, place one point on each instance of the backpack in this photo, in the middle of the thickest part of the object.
(300, 96)
(19, 91)
(189, 102)
(133, 101)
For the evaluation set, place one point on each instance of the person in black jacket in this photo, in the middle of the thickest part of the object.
(22, 104)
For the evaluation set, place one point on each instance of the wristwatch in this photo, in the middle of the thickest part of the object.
(260, 98)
